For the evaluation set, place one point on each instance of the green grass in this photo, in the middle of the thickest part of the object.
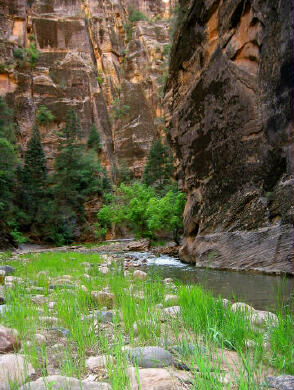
(211, 327)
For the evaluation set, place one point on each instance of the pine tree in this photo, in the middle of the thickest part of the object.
(34, 181)
(94, 139)
(158, 169)
(8, 163)
(78, 176)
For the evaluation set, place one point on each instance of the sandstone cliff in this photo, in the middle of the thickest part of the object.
(92, 58)
(230, 97)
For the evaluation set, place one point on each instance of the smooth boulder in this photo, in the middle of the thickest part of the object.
(151, 357)
(58, 382)
(13, 368)
(9, 341)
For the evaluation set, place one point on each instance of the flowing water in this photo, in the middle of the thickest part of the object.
(258, 290)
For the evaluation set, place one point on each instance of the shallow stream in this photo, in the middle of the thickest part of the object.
(258, 290)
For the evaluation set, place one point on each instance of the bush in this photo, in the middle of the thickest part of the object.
(135, 15)
(44, 115)
(118, 109)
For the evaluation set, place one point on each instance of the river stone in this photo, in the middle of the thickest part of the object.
(2, 297)
(151, 357)
(9, 341)
(157, 378)
(171, 299)
(259, 317)
(241, 306)
(104, 298)
(281, 382)
(104, 316)
(58, 382)
(7, 269)
(173, 311)
(13, 368)
(100, 361)
(141, 275)
(12, 279)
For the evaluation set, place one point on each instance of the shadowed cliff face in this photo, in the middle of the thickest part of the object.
(93, 59)
(230, 97)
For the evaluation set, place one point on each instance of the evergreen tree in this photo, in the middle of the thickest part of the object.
(34, 181)
(78, 176)
(8, 163)
(94, 139)
(123, 173)
(158, 169)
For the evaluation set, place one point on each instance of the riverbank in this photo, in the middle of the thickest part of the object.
(80, 315)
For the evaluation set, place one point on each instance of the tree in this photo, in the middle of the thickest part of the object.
(44, 115)
(78, 176)
(166, 214)
(158, 169)
(34, 182)
(8, 164)
(123, 173)
(94, 139)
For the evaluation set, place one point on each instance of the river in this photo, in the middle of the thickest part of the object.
(258, 290)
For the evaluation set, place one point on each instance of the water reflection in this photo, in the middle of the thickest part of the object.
(258, 290)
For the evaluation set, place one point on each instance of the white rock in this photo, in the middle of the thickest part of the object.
(156, 378)
(51, 305)
(141, 275)
(171, 299)
(241, 306)
(104, 270)
(14, 368)
(84, 288)
(12, 279)
(58, 382)
(173, 311)
(40, 339)
(260, 317)
(101, 361)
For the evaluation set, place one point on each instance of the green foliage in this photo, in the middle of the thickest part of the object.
(32, 54)
(128, 30)
(28, 55)
(123, 173)
(19, 53)
(44, 115)
(8, 162)
(94, 139)
(144, 213)
(33, 186)
(78, 176)
(135, 15)
(119, 110)
(166, 214)
(158, 169)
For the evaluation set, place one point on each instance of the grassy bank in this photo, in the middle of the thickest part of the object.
(222, 348)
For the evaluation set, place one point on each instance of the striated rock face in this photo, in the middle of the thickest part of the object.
(230, 96)
(92, 58)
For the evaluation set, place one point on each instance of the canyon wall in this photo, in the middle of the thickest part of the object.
(94, 59)
(230, 97)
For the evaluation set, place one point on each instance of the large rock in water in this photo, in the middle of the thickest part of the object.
(230, 95)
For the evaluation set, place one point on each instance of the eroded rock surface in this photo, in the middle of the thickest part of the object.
(92, 58)
(230, 97)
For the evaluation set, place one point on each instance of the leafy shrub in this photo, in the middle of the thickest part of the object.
(44, 115)
(135, 15)
(118, 109)
(19, 53)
